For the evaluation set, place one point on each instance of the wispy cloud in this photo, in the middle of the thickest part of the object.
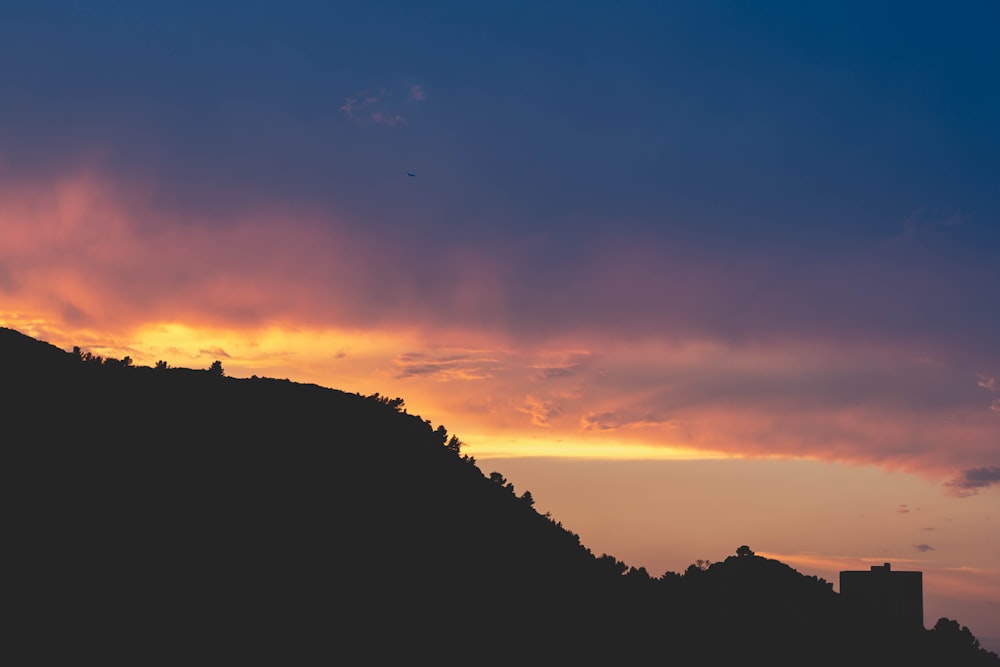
(921, 225)
(986, 381)
(541, 411)
(989, 383)
(616, 420)
(903, 509)
(923, 547)
(379, 106)
(566, 367)
(446, 367)
(553, 373)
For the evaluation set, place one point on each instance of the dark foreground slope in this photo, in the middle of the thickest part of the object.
(180, 516)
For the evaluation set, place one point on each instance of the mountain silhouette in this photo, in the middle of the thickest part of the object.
(175, 515)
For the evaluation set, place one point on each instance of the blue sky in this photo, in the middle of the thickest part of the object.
(797, 124)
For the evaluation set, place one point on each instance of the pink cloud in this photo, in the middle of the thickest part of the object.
(576, 352)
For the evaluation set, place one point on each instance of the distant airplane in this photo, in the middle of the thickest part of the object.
(410, 173)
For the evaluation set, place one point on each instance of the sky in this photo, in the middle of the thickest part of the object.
(696, 275)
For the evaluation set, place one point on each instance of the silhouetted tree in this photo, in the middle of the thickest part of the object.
(950, 634)
(161, 365)
(697, 567)
(612, 564)
(670, 577)
(216, 368)
(124, 362)
(744, 551)
(394, 403)
(87, 357)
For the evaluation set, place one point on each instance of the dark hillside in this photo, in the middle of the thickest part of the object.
(182, 516)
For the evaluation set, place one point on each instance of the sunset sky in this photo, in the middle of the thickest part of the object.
(696, 275)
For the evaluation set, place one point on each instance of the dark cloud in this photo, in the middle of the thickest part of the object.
(971, 481)
(923, 547)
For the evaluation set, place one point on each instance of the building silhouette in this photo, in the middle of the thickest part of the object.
(883, 599)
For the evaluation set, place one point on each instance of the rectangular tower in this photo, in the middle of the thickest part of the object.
(884, 599)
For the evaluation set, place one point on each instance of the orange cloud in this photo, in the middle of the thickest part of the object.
(303, 294)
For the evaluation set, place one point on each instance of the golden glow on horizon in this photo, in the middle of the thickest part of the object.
(490, 447)
(301, 347)
(572, 398)
(360, 361)
(264, 347)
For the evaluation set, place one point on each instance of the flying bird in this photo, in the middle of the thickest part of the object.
(410, 173)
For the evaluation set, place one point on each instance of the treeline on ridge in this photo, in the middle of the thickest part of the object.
(175, 513)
